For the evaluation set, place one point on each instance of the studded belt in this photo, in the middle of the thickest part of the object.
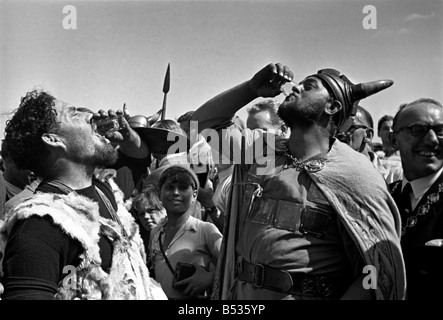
(263, 276)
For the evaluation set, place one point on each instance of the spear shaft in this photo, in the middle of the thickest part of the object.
(165, 90)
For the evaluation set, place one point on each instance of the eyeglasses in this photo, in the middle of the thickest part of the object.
(420, 130)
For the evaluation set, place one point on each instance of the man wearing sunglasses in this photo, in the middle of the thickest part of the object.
(359, 137)
(418, 135)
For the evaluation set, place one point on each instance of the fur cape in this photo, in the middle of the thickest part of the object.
(79, 218)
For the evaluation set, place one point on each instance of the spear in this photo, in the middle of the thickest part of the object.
(165, 91)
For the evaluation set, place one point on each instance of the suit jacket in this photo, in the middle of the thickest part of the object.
(424, 264)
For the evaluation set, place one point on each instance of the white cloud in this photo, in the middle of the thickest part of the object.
(417, 16)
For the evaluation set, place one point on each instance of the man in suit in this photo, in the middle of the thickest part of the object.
(418, 135)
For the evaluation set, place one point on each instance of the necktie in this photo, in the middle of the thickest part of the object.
(406, 199)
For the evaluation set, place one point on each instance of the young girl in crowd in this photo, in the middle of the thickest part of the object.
(181, 238)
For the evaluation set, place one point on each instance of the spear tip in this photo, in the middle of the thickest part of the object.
(167, 79)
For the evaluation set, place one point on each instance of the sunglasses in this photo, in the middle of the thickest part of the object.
(420, 130)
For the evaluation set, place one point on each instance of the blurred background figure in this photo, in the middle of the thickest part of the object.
(185, 122)
(383, 128)
(161, 159)
(200, 154)
(14, 183)
(359, 137)
(201, 160)
(263, 115)
(377, 147)
(148, 211)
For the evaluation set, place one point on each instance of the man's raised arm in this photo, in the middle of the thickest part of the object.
(220, 109)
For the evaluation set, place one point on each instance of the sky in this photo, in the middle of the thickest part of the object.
(101, 54)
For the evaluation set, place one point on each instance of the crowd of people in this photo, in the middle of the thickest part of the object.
(292, 203)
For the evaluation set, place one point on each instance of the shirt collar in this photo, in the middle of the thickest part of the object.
(190, 224)
(421, 185)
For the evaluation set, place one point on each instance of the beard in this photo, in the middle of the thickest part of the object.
(92, 154)
(296, 113)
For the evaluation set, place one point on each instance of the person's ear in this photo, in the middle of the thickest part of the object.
(194, 195)
(369, 134)
(333, 108)
(392, 137)
(53, 140)
(284, 129)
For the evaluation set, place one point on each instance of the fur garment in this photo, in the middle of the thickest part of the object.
(79, 218)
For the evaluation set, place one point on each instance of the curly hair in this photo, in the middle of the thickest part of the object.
(149, 195)
(23, 133)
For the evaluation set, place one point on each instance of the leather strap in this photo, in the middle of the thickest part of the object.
(164, 255)
(263, 276)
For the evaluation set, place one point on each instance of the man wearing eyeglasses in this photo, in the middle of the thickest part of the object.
(418, 135)
(359, 137)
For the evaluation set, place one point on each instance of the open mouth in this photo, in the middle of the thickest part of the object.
(291, 97)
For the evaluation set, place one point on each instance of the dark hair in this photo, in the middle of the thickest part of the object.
(405, 105)
(382, 120)
(23, 134)
(4, 150)
(178, 174)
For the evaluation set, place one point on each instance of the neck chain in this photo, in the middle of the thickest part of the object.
(423, 209)
(297, 164)
(311, 166)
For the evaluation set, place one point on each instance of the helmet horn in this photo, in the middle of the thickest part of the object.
(363, 90)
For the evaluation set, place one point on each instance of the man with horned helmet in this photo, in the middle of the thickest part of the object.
(319, 222)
